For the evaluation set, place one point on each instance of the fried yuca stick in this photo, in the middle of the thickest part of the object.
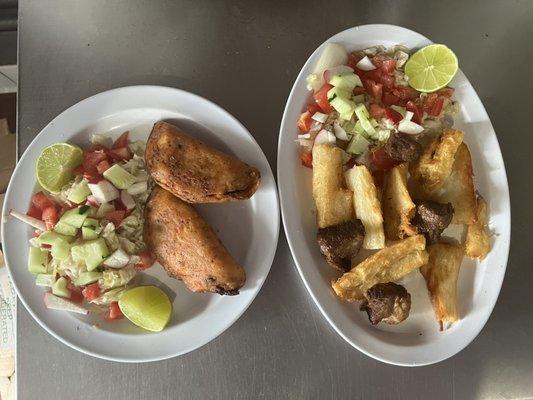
(477, 243)
(398, 208)
(367, 206)
(435, 163)
(441, 274)
(333, 203)
(387, 265)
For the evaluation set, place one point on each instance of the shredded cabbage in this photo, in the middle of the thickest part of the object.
(117, 277)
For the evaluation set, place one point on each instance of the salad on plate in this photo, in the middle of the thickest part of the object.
(87, 247)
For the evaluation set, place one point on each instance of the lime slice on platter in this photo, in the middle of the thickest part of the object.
(55, 165)
(147, 307)
(431, 68)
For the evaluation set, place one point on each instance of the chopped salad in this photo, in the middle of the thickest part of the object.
(88, 244)
(362, 100)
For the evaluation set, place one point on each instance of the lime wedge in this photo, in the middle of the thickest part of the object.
(431, 68)
(55, 165)
(146, 306)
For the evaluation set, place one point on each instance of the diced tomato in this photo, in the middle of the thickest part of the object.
(76, 295)
(429, 100)
(388, 66)
(387, 81)
(375, 90)
(50, 217)
(436, 109)
(119, 205)
(313, 108)
(394, 116)
(122, 141)
(78, 170)
(380, 160)
(146, 261)
(359, 90)
(350, 163)
(92, 176)
(417, 112)
(446, 92)
(405, 93)
(353, 59)
(305, 121)
(306, 157)
(114, 312)
(102, 166)
(120, 154)
(34, 212)
(389, 99)
(379, 177)
(321, 98)
(376, 112)
(41, 201)
(91, 292)
(92, 158)
(116, 216)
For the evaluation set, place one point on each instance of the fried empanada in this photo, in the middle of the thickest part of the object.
(194, 171)
(187, 247)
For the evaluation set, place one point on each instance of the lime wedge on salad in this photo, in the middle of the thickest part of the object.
(146, 306)
(55, 165)
(431, 68)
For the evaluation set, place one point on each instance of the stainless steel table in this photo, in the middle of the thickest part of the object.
(244, 56)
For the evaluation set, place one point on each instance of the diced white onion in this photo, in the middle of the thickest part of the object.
(320, 117)
(138, 188)
(365, 64)
(333, 54)
(340, 132)
(57, 303)
(315, 127)
(325, 137)
(305, 136)
(127, 200)
(104, 191)
(409, 127)
(408, 115)
(36, 223)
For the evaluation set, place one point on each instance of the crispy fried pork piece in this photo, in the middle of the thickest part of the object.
(339, 243)
(387, 302)
(431, 218)
(402, 147)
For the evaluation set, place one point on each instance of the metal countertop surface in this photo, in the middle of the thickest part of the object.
(244, 56)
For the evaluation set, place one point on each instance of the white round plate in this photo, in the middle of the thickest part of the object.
(249, 229)
(417, 340)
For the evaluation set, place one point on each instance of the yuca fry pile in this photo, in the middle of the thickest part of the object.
(435, 163)
(442, 174)
(398, 208)
(367, 206)
(441, 273)
(477, 243)
(333, 201)
(387, 265)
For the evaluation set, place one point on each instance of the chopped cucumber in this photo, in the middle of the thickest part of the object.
(344, 107)
(37, 260)
(50, 238)
(88, 233)
(119, 177)
(338, 92)
(346, 81)
(59, 288)
(104, 209)
(76, 216)
(65, 229)
(60, 250)
(91, 223)
(96, 252)
(358, 128)
(358, 145)
(363, 116)
(88, 277)
(79, 192)
(44, 280)
(78, 253)
(118, 259)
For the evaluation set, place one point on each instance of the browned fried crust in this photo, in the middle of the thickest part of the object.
(195, 172)
(187, 246)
